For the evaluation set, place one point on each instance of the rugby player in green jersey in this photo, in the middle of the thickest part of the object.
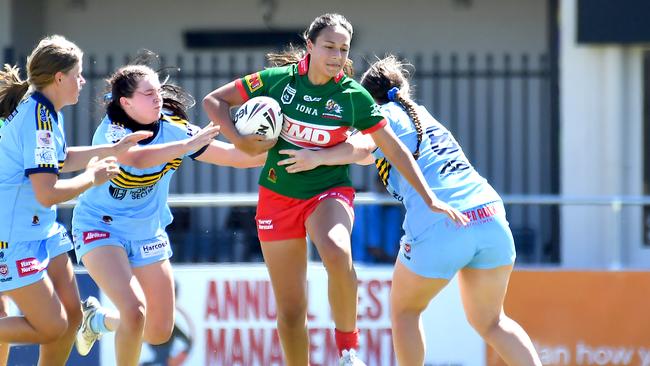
(321, 104)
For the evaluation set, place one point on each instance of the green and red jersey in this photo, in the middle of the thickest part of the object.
(315, 117)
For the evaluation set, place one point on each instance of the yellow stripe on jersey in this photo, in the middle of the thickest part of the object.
(383, 168)
(61, 163)
(4, 245)
(127, 180)
(43, 120)
(51, 166)
(175, 119)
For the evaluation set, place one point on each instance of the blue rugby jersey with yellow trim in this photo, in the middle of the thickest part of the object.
(134, 204)
(32, 140)
(444, 165)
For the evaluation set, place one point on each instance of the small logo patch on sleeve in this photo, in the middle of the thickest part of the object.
(253, 82)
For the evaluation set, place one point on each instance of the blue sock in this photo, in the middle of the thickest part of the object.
(97, 322)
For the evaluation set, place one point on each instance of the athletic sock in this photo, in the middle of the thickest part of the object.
(346, 340)
(97, 322)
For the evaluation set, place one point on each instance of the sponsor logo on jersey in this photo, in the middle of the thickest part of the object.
(42, 114)
(454, 167)
(114, 133)
(254, 82)
(143, 192)
(407, 250)
(117, 193)
(272, 177)
(4, 272)
(287, 94)
(304, 133)
(310, 135)
(11, 116)
(91, 236)
(45, 155)
(333, 110)
(265, 224)
(28, 266)
(153, 249)
(308, 98)
(307, 110)
(44, 139)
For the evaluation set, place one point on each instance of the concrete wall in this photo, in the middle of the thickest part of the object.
(485, 26)
(28, 25)
(601, 149)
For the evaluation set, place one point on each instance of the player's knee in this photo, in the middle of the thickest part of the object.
(292, 313)
(133, 315)
(401, 309)
(335, 256)
(74, 314)
(484, 325)
(53, 330)
(158, 331)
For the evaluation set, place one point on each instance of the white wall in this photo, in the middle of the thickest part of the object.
(600, 141)
(411, 25)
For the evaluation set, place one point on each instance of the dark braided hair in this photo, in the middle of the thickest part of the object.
(293, 55)
(388, 73)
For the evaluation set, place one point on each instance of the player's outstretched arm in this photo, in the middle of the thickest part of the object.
(142, 157)
(222, 153)
(78, 156)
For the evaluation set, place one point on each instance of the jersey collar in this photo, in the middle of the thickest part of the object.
(303, 67)
(42, 99)
(117, 115)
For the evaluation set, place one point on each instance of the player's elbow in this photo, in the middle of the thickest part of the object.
(46, 199)
(210, 102)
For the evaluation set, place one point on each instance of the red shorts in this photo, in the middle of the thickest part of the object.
(281, 218)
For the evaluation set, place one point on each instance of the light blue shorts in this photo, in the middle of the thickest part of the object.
(25, 262)
(444, 247)
(139, 252)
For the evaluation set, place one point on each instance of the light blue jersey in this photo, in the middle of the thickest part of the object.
(132, 205)
(444, 165)
(32, 140)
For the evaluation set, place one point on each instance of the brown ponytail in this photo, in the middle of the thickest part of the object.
(12, 90)
(388, 73)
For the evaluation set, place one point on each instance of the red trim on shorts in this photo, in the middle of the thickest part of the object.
(374, 128)
(280, 217)
(241, 90)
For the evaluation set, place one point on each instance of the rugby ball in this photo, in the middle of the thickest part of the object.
(259, 115)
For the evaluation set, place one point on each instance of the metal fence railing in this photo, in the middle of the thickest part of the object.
(497, 106)
(237, 241)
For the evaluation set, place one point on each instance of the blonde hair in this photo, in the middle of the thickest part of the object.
(52, 54)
